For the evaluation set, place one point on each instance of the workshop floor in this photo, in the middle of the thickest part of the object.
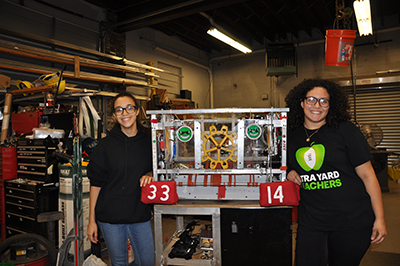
(384, 254)
(387, 253)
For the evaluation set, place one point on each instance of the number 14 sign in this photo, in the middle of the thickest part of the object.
(284, 193)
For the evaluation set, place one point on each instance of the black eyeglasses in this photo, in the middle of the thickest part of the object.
(130, 109)
(311, 100)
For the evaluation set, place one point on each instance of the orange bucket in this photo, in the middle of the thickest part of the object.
(339, 47)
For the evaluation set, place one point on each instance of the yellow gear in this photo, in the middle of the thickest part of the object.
(218, 146)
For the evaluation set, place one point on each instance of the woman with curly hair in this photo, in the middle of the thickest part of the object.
(341, 209)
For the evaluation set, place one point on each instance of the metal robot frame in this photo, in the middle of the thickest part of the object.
(219, 154)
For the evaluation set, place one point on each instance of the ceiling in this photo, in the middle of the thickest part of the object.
(253, 22)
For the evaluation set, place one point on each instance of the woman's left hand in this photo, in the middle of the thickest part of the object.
(378, 232)
(146, 179)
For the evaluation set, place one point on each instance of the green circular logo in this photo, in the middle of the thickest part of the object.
(184, 133)
(253, 131)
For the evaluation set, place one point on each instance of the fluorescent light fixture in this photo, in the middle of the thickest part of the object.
(363, 16)
(228, 40)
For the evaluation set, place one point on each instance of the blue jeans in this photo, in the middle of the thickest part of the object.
(141, 237)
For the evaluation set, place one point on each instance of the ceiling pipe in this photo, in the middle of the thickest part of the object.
(208, 68)
(210, 19)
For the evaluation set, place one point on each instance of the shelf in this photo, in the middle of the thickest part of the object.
(146, 73)
(32, 90)
(269, 225)
(196, 258)
(186, 208)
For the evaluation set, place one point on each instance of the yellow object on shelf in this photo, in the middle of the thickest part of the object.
(394, 173)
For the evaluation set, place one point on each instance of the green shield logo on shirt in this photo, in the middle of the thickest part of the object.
(311, 158)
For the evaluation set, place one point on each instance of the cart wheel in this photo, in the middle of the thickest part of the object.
(44, 244)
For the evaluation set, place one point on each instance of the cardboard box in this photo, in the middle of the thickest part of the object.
(5, 82)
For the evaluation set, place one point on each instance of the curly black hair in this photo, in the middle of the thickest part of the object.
(338, 100)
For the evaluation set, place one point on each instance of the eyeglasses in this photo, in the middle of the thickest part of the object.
(130, 109)
(323, 102)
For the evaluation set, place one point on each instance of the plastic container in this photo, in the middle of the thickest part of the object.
(339, 47)
(42, 133)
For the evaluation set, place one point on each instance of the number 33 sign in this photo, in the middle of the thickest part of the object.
(160, 192)
(279, 193)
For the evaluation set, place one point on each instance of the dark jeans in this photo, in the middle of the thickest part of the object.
(338, 248)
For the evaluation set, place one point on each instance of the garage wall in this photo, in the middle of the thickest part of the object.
(241, 81)
(141, 47)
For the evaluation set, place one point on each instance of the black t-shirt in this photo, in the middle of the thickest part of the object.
(333, 196)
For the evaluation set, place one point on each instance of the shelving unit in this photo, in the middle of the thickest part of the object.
(87, 72)
(185, 208)
(252, 244)
(81, 59)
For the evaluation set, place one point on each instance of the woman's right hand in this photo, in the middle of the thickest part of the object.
(294, 177)
(92, 232)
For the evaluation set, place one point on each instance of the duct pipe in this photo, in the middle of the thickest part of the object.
(208, 68)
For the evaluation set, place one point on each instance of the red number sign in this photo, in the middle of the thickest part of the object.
(284, 193)
(160, 192)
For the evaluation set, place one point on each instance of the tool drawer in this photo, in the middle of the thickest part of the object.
(25, 199)
(35, 160)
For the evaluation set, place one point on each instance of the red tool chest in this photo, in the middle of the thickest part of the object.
(8, 170)
(25, 122)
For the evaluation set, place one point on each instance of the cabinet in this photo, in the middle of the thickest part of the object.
(8, 170)
(35, 190)
(35, 160)
(256, 236)
(24, 200)
(243, 233)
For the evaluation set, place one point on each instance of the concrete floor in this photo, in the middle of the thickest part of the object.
(387, 253)
(384, 254)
